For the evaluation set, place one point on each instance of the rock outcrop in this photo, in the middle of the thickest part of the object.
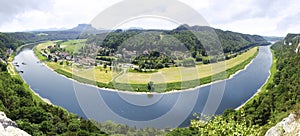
(288, 126)
(9, 127)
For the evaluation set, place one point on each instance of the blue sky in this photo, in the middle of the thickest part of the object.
(263, 17)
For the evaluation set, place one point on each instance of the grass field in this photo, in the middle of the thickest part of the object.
(99, 74)
(45, 45)
(178, 74)
(173, 75)
(94, 74)
(73, 45)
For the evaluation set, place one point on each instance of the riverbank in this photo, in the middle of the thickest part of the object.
(14, 73)
(263, 88)
(57, 86)
(159, 88)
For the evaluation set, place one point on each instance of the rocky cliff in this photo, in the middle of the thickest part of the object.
(9, 127)
(288, 126)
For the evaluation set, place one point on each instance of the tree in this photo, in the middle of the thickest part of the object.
(188, 62)
(2, 66)
(46, 126)
(150, 86)
(83, 133)
(55, 59)
(74, 126)
(49, 57)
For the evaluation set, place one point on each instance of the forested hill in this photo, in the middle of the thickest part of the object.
(278, 98)
(13, 40)
(7, 42)
(231, 41)
(81, 31)
(143, 39)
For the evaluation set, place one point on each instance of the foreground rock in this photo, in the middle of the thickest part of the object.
(9, 127)
(288, 126)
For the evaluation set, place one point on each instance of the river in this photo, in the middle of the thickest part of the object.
(142, 110)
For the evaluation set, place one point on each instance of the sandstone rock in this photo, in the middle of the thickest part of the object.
(9, 127)
(288, 126)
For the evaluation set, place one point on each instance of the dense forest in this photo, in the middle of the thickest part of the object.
(193, 38)
(30, 37)
(7, 42)
(280, 96)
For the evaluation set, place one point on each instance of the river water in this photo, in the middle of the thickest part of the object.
(141, 110)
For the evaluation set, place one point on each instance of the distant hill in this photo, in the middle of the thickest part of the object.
(81, 31)
(135, 28)
(47, 29)
(273, 38)
(83, 27)
(87, 29)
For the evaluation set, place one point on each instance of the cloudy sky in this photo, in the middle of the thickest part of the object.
(264, 17)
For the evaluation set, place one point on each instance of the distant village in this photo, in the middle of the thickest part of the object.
(87, 57)
(94, 55)
(56, 54)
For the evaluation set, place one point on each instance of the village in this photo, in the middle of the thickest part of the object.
(93, 55)
(87, 57)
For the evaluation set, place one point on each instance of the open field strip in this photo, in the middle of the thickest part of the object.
(178, 74)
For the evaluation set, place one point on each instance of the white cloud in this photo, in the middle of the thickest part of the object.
(268, 17)
(265, 26)
(59, 13)
(253, 16)
(9, 9)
